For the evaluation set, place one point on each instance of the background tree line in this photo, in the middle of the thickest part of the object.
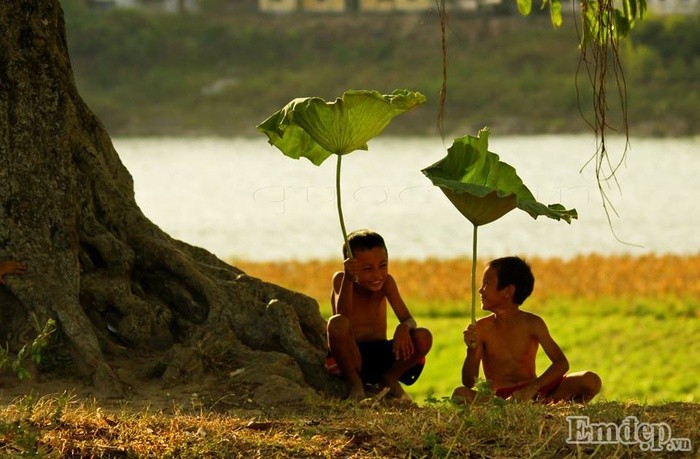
(214, 73)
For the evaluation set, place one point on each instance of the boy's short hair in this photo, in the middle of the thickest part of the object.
(363, 239)
(515, 271)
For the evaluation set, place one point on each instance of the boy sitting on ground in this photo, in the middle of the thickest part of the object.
(506, 342)
(357, 331)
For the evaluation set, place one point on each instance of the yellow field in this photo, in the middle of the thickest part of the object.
(448, 280)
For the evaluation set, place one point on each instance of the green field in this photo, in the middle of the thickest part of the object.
(645, 350)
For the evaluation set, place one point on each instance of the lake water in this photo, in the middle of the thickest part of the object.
(241, 198)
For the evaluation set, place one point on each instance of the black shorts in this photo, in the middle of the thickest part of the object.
(377, 359)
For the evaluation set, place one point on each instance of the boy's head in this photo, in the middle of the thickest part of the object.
(363, 239)
(514, 271)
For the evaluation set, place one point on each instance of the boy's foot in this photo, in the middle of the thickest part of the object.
(404, 400)
(357, 393)
(395, 388)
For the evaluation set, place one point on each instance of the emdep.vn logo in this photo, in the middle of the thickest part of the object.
(650, 436)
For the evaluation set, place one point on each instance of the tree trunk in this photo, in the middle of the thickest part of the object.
(119, 288)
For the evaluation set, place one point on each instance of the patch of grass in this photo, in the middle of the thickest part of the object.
(57, 427)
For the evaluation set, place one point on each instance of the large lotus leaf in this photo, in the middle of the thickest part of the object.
(482, 187)
(315, 129)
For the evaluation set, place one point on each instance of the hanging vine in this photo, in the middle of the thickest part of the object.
(599, 62)
(443, 88)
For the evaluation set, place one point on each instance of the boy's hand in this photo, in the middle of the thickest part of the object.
(11, 267)
(470, 336)
(403, 344)
(352, 269)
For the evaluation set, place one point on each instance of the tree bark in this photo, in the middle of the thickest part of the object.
(118, 286)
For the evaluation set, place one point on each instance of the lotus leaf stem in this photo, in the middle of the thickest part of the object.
(474, 275)
(339, 204)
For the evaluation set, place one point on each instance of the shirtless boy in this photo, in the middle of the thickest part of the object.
(357, 331)
(506, 343)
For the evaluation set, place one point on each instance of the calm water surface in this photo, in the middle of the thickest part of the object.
(241, 198)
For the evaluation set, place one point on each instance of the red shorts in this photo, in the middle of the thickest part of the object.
(505, 392)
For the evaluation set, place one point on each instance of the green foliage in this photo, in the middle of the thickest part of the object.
(316, 129)
(23, 436)
(482, 187)
(152, 74)
(602, 19)
(672, 39)
(32, 351)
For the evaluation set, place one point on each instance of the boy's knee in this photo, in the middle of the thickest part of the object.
(422, 340)
(588, 384)
(592, 382)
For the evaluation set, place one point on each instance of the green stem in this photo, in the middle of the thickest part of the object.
(338, 203)
(474, 276)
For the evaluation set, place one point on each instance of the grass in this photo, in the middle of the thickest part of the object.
(63, 427)
(633, 320)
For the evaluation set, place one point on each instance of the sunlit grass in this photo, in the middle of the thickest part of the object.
(61, 426)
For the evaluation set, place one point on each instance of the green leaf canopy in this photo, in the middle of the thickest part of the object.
(315, 129)
(482, 187)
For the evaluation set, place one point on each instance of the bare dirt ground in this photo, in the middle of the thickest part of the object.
(211, 391)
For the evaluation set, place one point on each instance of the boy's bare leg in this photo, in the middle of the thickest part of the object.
(391, 377)
(344, 349)
(422, 342)
(579, 387)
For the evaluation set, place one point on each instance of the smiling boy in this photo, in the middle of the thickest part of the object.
(357, 331)
(506, 344)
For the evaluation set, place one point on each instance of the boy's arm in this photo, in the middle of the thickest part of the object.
(403, 344)
(470, 367)
(558, 367)
(397, 304)
(341, 298)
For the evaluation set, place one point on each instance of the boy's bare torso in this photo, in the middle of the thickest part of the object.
(368, 317)
(509, 349)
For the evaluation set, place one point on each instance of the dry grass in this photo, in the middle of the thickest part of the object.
(64, 427)
(586, 277)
